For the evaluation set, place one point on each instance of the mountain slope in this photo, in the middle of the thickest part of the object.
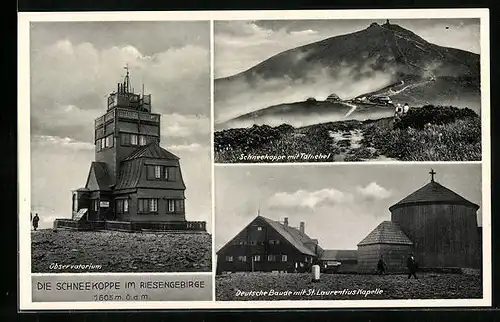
(348, 65)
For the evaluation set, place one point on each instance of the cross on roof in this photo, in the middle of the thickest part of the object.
(432, 173)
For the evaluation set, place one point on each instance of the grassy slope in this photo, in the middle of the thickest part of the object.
(428, 286)
(121, 251)
(427, 134)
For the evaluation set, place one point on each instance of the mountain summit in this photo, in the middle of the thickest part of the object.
(350, 65)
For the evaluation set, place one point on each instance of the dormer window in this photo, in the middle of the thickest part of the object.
(158, 171)
(161, 172)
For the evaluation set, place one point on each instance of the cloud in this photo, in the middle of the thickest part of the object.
(240, 45)
(188, 147)
(70, 81)
(47, 141)
(373, 191)
(308, 199)
(177, 125)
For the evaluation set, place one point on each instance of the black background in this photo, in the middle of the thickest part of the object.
(8, 162)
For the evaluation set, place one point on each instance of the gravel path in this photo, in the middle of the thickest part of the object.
(120, 251)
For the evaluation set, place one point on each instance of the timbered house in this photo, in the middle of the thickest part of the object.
(267, 245)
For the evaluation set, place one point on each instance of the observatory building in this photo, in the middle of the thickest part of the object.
(434, 223)
(134, 183)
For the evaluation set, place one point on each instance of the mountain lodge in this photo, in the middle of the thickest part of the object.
(134, 183)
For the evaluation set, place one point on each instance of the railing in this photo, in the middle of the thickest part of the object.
(157, 226)
(103, 119)
(78, 224)
(135, 115)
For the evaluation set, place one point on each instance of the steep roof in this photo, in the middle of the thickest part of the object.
(387, 232)
(339, 254)
(434, 193)
(98, 178)
(292, 235)
(152, 150)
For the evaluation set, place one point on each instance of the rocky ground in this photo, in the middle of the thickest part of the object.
(428, 286)
(111, 251)
(430, 133)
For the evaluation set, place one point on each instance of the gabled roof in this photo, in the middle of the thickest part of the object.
(152, 150)
(98, 178)
(434, 193)
(387, 232)
(340, 254)
(292, 235)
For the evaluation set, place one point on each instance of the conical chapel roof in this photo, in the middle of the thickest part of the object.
(387, 232)
(433, 193)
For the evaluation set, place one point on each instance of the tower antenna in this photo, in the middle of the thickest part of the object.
(127, 79)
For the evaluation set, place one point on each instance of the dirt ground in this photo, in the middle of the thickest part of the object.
(111, 251)
(348, 286)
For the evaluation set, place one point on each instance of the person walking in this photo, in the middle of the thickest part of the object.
(412, 265)
(36, 219)
(381, 266)
(406, 108)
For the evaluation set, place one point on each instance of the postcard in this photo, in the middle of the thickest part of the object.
(254, 159)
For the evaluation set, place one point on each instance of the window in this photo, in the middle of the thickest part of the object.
(274, 242)
(253, 242)
(271, 258)
(170, 205)
(259, 228)
(133, 139)
(242, 258)
(161, 172)
(109, 141)
(229, 258)
(256, 258)
(158, 171)
(148, 205)
(284, 258)
(142, 140)
(95, 204)
(179, 205)
(125, 139)
(121, 206)
(241, 242)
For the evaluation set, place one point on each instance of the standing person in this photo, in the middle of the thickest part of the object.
(406, 108)
(381, 266)
(412, 265)
(36, 219)
(399, 109)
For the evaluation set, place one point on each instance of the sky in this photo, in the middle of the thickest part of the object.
(340, 204)
(240, 45)
(74, 65)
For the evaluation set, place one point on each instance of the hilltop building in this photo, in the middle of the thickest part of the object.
(134, 183)
(267, 245)
(434, 223)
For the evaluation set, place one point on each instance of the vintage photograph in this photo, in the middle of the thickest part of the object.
(348, 231)
(120, 147)
(347, 90)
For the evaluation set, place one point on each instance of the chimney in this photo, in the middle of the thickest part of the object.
(302, 227)
(285, 221)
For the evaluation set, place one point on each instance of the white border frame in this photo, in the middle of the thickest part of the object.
(24, 167)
